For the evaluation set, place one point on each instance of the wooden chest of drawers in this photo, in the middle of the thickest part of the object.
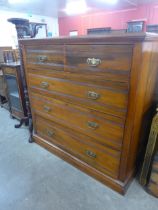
(88, 99)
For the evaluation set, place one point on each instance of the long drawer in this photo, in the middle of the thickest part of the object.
(104, 159)
(99, 98)
(45, 57)
(105, 129)
(115, 79)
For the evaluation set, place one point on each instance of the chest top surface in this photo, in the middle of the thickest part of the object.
(122, 38)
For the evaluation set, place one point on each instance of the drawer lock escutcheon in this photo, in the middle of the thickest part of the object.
(92, 95)
(92, 125)
(93, 61)
(90, 154)
(44, 85)
(46, 108)
(50, 133)
(41, 58)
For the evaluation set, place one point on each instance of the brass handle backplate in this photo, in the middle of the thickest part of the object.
(92, 95)
(93, 125)
(44, 84)
(90, 154)
(93, 61)
(46, 108)
(41, 58)
(50, 133)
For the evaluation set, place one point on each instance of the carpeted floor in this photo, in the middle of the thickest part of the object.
(31, 178)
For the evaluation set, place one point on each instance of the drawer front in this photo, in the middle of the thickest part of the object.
(98, 58)
(104, 159)
(45, 57)
(111, 79)
(107, 100)
(10, 71)
(104, 130)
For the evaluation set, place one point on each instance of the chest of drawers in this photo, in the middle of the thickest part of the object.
(89, 96)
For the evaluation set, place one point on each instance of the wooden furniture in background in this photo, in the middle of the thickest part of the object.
(152, 28)
(104, 31)
(88, 99)
(156, 90)
(3, 92)
(152, 186)
(150, 151)
(15, 91)
(95, 31)
(135, 26)
(26, 29)
(1, 53)
(9, 56)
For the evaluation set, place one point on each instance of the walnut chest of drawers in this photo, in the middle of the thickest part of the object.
(88, 98)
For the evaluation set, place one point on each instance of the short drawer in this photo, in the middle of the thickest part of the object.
(105, 129)
(98, 58)
(103, 159)
(45, 57)
(104, 99)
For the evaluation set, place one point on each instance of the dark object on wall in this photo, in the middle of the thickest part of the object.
(15, 91)
(88, 99)
(135, 26)
(95, 31)
(25, 28)
(152, 28)
(150, 151)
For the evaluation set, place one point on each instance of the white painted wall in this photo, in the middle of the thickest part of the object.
(8, 36)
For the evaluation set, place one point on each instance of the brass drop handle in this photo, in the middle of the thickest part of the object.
(46, 108)
(93, 95)
(50, 133)
(42, 58)
(92, 125)
(93, 61)
(90, 154)
(44, 85)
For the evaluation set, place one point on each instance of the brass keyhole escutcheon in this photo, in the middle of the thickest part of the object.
(90, 154)
(47, 108)
(92, 125)
(50, 133)
(41, 58)
(93, 95)
(44, 85)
